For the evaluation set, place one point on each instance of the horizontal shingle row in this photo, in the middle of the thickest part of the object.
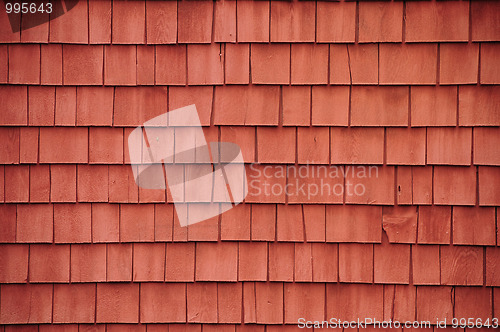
(107, 223)
(261, 303)
(251, 261)
(350, 184)
(151, 22)
(217, 64)
(253, 105)
(303, 145)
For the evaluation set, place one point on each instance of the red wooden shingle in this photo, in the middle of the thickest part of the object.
(263, 221)
(35, 27)
(437, 21)
(434, 224)
(270, 63)
(312, 145)
(137, 223)
(41, 104)
(449, 146)
(135, 105)
(82, 64)
(51, 64)
(105, 145)
(225, 21)
(484, 18)
(120, 65)
(473, 302)
(34, 222)
(406, 146)
(391, 263)
(229, 304)
(353, 223)
(149, 262)
(425, 265)
(65, 106)
(164, 217)
(128, 22)
(461, 265)
(408, 63)
(363, 62)
(492, 266)
(458, 63)
(304, 300)
(122, 186)
(237, 62)
(92, 183)
(88, 262)
(252, 261)
(14, 108)
(313, 184)
(452, 185)
(74, 303)
(400, 223)
(17, 188)
(336, 22)
(24, 64)
(235, 223)
(355, 262)
(49, 263)
(216, 261)
(479, 106)
(303, 262)
(433, 106)
(91, 98)
(380, 22)
(180, 262)
(10, 138)
(63, 183)
(8, 225)
(269, 302)
(352, 301)
(404, 182)
(292, 21)
(163, 303)
(486, 142)
(330, 106)
(379, 106)
(434, 303)
(145, 65)
(314, 222)
(14, 262)
(202, 302)
(72, 26)
(26, 304)
(489, 185)
(296, 105)
(281, 261)
(117, 303)
(252, 21)
(324, 264)
(28, 145)
(490, 70)
(289, 226)
(105, 223)
(309, 64)
(161, 22)
(357, 145)
(194, 21)
(284, 152)
(205, 64)
(72, 223)
(100, 22)
(4, 64)
(119, 262)
(340, 73)
(257, 105)
(473, 225)
(370, 185)
(171, 64)
(244, 137)
(201, 96)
